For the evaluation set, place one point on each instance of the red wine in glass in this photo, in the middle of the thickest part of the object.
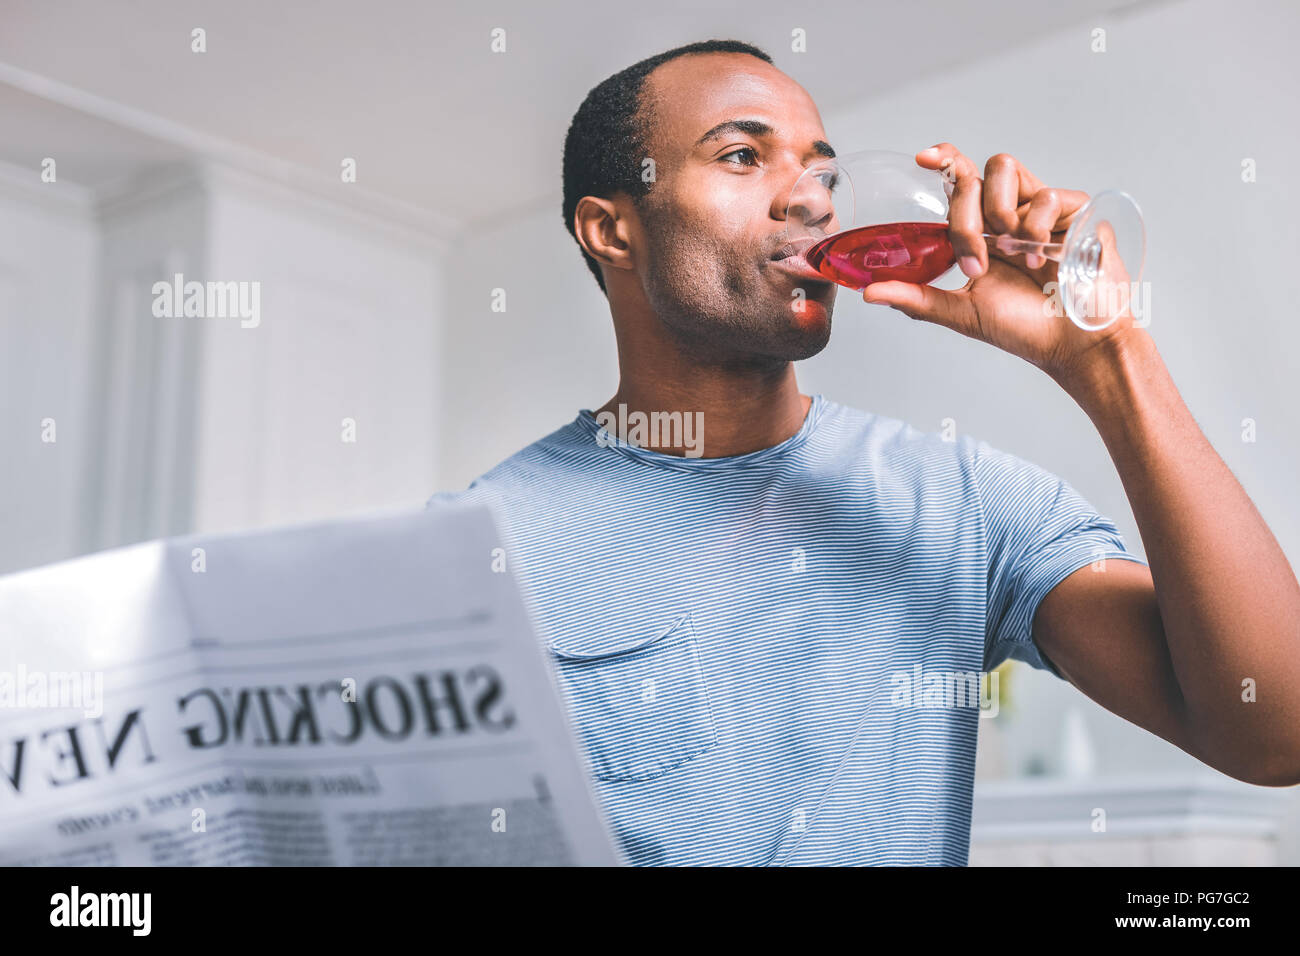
(906, 251)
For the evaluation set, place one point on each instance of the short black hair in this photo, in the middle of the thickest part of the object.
(609, 135)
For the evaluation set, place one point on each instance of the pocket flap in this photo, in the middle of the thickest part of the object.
(571, 655)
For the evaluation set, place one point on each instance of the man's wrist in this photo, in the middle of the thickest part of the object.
(1110, 374)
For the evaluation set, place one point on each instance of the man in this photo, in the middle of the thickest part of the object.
(732, 630)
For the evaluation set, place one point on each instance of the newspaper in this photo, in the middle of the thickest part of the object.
(359, 692)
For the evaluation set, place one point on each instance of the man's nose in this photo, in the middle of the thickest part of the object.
(809, 205)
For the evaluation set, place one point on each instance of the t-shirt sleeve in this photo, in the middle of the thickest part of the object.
(1038, 530)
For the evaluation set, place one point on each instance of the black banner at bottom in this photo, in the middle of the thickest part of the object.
(930, 906)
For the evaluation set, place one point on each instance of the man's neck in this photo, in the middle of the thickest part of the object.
(741, 411)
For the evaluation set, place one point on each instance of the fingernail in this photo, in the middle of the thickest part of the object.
(970, 265)
(932, 152)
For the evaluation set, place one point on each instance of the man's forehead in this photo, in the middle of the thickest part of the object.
(693, 94)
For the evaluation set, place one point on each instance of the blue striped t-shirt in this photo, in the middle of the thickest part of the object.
(772, 658)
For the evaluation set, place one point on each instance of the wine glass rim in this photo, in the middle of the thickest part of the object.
(899, 159)
(842, 158)
(1086, 211)
(874, 151)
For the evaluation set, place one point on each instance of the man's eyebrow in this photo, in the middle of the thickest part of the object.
(756, 128)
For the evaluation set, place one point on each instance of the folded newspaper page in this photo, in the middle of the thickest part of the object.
(359, 692)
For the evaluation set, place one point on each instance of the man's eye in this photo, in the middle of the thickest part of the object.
(737, 152)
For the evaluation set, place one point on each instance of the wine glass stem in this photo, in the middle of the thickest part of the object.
(1011, 246)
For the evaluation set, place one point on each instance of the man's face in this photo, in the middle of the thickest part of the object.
(715, 215)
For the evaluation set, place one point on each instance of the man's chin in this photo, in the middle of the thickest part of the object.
(804, 330)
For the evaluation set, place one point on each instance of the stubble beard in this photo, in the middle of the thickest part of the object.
(722, 309)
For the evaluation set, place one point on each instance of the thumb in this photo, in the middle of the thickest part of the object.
(924, 302)
(1107, 299)
(1112, 265)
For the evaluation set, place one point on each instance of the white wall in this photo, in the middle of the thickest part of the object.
(510, 377)
(48, 252)
(350, 308)
(167, 425)
(1182, 95)
(138, 482)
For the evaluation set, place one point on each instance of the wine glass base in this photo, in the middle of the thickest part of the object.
(1104, 251)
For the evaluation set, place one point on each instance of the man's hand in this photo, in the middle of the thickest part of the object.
(1204, 648)
(1008, 301)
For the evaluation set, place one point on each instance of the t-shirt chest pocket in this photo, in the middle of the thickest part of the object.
(642, 709)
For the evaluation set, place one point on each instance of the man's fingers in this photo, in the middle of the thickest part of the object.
(1007, 184)
(1009, 200)
(1009, 188)
(965, 206)
(1072, 200)
(1039, 220)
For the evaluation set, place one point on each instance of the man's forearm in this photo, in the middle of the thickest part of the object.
(1229, 600)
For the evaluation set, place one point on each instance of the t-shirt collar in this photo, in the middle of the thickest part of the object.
(606, 441)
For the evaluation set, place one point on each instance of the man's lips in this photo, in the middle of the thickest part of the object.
(795, 247)
(798, 266)
(789, 258)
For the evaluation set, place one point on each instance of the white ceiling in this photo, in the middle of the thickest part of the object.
(410, 89)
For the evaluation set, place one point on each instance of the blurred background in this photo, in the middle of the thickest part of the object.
(143, 139)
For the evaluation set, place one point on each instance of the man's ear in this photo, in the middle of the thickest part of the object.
(602, 229)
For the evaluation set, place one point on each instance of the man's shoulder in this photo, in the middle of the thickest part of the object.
(555, 457)
(941, 462)
(887, 440)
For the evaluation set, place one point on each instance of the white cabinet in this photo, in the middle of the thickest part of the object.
(1127, 821)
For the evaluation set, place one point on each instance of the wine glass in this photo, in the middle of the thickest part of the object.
(876, 215)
